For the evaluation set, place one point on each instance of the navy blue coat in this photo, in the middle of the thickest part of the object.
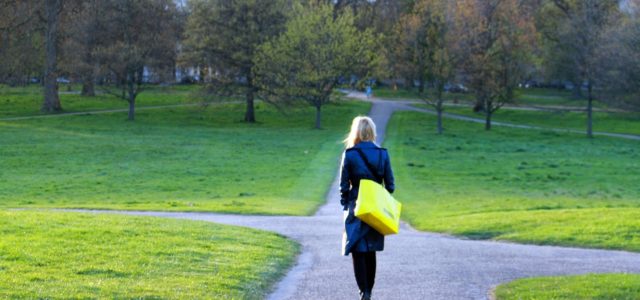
(358, 236)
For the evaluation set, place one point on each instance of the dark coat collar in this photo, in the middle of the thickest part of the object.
(366, 144)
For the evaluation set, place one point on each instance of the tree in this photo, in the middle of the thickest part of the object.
(138, 37)
(576, 35)
(423, 49)
(81, 42)
(618, 70)
(52, 10)
(309, 58)
(409, 48)
(21, 49)
(493, 39)
(38, 25)
(224, 34)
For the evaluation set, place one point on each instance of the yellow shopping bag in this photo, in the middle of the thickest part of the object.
(376, 207)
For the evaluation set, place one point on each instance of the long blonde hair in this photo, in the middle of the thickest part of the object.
(362, 130)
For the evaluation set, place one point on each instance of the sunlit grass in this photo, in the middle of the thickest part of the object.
(54, 255)
(591, 286)
(182, 159)
(529, 186)
(616, 122)
(27, 100)
(524, 97)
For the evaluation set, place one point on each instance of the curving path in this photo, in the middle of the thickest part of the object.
(414, 265)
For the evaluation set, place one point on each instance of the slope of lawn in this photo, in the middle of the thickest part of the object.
(616, 122)
(186, 159)
(523, 97)
(528, 186)
(27, 100)
(553, 97)
(55, 255)
(590, 286)
(389, 93)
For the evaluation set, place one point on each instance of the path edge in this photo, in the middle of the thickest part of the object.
(287, 285)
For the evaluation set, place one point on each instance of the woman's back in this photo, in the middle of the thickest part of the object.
(366, 160)
(363, 159)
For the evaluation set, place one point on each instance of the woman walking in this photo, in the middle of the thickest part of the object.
(362, 159)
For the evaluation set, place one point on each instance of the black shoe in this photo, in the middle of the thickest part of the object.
(365, 296)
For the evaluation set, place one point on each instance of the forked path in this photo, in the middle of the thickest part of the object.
(414, 265)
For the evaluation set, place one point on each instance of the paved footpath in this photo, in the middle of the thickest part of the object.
(414, 265)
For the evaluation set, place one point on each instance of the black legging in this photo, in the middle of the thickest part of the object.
(364, 266)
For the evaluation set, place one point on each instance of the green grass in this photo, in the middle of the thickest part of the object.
(533, 96)
(590, 286)
(27, 100)
(529, 186)
(55, 255)
(178, 159)
(412, 94)
(540, 96)
(616, 122)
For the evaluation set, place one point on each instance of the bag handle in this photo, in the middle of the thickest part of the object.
(372, 170)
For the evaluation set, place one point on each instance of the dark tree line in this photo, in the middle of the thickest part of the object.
(115, 40)
(490, 46)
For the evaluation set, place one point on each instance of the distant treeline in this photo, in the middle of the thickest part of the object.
(285, 51)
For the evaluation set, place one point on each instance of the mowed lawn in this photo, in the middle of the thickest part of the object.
(523, 97)
(589, 286)
(527, 186)
(182, 159)
(56, 255)
(388, 93)
(27, 100)
(615, 122)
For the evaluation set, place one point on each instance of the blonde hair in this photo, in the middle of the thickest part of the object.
(362, 130)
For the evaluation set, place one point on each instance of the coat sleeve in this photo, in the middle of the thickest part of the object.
(345, 185)
(389, 182)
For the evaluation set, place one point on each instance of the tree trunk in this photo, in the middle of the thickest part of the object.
(88, 76)
(440, 119)
(174, 70)
(439, 106)
(132, 100)
(488, 110)
(421, 85)
(88, 85)
(577, 90)
(487, 123)
(51, 100)
(318, 106)
(408, 84)
(589, 111)
(480, 103)
(250, 115)
(132, 109)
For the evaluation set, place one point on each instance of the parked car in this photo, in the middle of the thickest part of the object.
(529, 84)
(568, 85)
(187, 79)
(63, 80)
(455, 88)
